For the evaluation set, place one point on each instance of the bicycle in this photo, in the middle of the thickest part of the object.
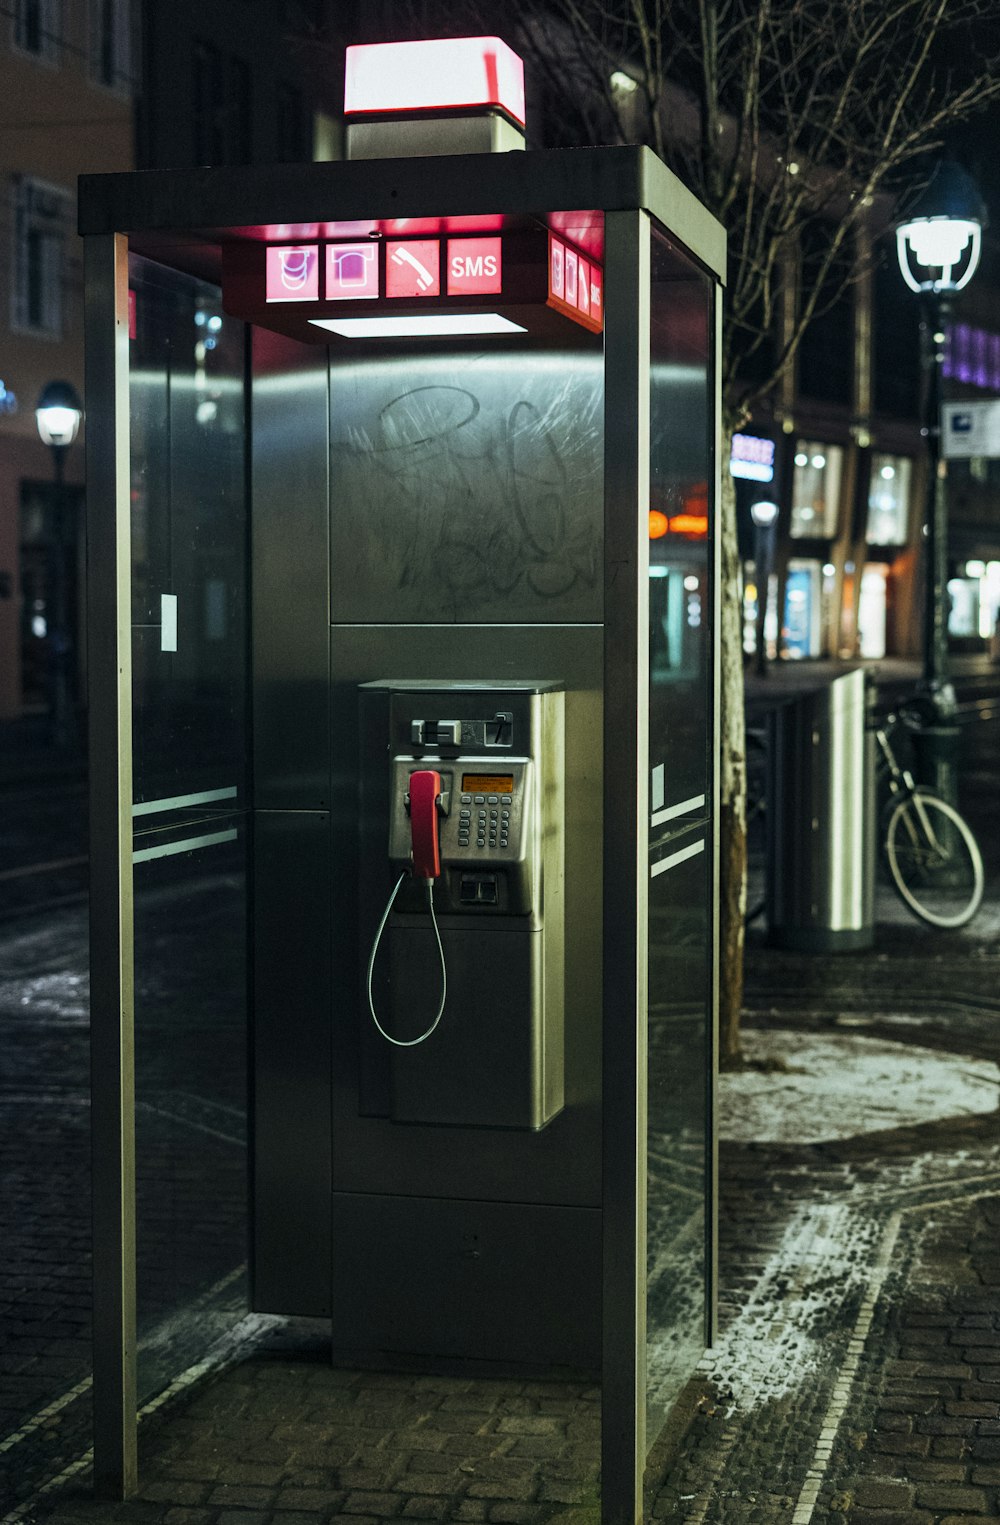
(933, 859)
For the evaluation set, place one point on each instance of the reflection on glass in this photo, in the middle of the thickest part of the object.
(189, 580)
(888, 499)
(679, 721)
(816, 489)
(191, 1088)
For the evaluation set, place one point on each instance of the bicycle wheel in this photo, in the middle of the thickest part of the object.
(934, 860)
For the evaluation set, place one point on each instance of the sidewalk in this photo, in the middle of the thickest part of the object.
(857, 1379)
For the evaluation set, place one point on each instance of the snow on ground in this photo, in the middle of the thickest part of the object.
(840, 1084)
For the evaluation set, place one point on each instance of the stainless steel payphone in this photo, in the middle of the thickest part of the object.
(463, 798)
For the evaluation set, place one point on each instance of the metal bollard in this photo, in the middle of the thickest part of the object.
(821, 819)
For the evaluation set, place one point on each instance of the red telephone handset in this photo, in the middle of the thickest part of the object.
(425, 791)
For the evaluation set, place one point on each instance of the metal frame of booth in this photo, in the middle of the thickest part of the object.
(178, 219)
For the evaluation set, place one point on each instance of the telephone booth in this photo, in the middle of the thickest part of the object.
(402, 477)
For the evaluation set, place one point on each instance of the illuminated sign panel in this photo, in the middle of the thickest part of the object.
(461, 275)
(576, 285)
(474, 267)
(351, 271)
(413, 268)
(293, 273)
(557, 269)
(444, 73)
(752, 458)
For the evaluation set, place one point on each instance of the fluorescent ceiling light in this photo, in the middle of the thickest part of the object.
(420, 325)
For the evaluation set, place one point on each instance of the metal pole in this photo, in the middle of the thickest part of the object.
(936, 743)
(59, 635)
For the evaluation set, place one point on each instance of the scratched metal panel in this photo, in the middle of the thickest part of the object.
(467, 488)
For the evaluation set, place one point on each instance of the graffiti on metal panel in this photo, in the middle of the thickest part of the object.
(492, 503)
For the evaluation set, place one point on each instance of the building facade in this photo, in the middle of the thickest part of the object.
(842, 451)
(66, 82)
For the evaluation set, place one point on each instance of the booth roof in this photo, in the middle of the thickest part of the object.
(182, 216)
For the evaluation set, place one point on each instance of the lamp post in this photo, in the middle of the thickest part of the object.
(938, 246)
(58, 414)
(764, 514)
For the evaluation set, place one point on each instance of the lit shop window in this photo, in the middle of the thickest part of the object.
(816, 489)
(889, 500)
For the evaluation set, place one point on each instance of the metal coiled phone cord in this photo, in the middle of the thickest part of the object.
(407, 1042)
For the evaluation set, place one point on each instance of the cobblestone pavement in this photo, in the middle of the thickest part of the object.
(856, 1380)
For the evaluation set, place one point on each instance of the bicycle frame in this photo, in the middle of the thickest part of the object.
(902, 782)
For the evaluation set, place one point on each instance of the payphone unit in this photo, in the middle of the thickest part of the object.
(462, 799)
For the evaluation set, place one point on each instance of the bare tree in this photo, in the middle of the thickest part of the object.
(797, 123)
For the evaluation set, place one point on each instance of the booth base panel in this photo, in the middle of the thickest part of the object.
(493, 1281)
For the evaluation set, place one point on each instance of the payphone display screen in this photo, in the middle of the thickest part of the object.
(487, 783)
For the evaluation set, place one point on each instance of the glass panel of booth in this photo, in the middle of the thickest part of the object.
(682, 459)
(189, 742)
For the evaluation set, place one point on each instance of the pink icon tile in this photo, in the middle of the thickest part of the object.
(474, 266)
(413, 268)
(557, 268)
(293, 273)
(572, 270)
(351, 271)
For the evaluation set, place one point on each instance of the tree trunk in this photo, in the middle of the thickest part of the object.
(732, 745)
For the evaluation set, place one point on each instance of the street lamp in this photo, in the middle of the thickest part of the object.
(764, 514)
(58, 414)
(938, 246)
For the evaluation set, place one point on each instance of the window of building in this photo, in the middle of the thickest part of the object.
(816, 490)
(209, 105)
(239, 149)
(41, 216)
(37, 28)
(896, 343)
(872, 610)
(111, 44)
(826, 353)
(292, 144)
(802, 624)
(889, 499)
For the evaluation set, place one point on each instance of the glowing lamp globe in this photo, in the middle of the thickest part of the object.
(58, 414)
(939, 244)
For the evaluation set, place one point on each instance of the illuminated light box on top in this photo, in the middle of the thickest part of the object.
(445, 74)
(528, 276)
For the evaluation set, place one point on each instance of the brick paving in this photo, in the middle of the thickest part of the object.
(856, 1380)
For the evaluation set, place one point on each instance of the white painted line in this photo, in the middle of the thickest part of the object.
(189, 844)
(245, 1327)
(206, 797)
(837, 1407)
(191, 1122)
(41, 868)
(10, 1441)
(677, 857)
(694, 803)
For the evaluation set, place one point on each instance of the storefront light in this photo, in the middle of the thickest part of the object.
(975, 569)
(801, 460)
(829, 570)
(888, 472)
(819, 461)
